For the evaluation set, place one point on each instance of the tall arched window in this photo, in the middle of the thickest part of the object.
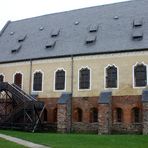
(111, 77)
(140, 75)
(93, 115)
(135, 115)
(37, 81)
(18, 79)
(55, 115)
(84, 78)
(1, 78)
(60, 80)
(119, 115)
(45, 114)
(78, 115)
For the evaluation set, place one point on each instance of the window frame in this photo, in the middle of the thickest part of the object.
(133, 75)
(105, 75)
(54, 88)
(90, 85)
(36, 71)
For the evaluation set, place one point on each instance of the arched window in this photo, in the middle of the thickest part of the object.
(60, 80)
(140, 75)
(37, 81)
(93, 115)
(111, 77)
(45, 115)
(119, 115)
(84, 78)
(135, 115)
(18, 79)
(55, 115)
(78, 115)
(1, 78)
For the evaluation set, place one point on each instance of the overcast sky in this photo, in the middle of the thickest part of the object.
(20, 9)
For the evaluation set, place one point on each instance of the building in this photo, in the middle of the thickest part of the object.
(89, 66)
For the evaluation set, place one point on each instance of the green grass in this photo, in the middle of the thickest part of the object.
(8, 144)
(82, 140)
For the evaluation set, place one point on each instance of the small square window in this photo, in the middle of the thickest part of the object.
(90, 39)
(50, 44)
(16, 49)
(21, 38)
(93, 28)
(55, 32)
(137, 35)
(137, 23)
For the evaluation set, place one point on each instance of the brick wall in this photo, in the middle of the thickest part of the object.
(86, 103)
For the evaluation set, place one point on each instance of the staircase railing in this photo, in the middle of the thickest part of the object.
(18, 94)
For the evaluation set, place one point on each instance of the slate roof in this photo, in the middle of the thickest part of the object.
(105, 97)
(94, 30)
(145, 95)
(64, 98)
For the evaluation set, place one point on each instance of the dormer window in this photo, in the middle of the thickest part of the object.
(16, 49)
(21, 38)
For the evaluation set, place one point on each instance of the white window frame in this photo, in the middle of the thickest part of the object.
(83, 67)
(59, 69)
(133, 75)
(33, 80)
(105, 74)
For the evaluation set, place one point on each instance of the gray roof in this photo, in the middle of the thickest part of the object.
(64, 98)
(94, 30)
(145, 95)
(105, 97)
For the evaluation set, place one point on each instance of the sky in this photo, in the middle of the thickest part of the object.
(21, 9)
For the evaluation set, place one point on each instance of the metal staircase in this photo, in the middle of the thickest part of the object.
(22, 112)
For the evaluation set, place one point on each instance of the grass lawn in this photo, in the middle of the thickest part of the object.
(8, 144)
(82, 140)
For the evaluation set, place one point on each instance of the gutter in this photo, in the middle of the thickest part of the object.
(77, 55)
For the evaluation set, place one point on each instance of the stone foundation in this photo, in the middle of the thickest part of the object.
(80, 127)
(145, 118)
(120, 128)
(62, 118)
(104, 117)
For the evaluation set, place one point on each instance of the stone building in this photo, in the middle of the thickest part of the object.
(89, 66)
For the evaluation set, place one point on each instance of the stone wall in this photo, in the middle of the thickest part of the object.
(104, 119)
(62, 118)
(145, 118)
(121, 128)
(81, 127)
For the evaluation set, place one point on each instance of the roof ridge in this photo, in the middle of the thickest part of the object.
(73, 10)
